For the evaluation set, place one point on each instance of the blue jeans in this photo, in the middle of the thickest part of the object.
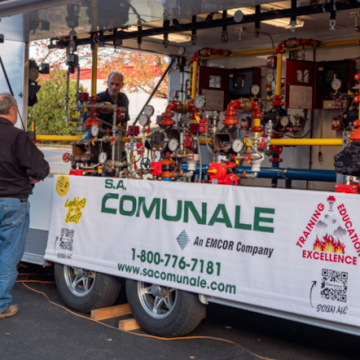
(14, 226)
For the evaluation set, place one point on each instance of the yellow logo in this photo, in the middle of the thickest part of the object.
(74, 209)
(62, 185)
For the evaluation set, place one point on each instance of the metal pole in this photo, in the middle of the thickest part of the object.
(155, 88)
(10, 89)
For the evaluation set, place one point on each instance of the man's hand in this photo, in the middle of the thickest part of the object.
(33, 181)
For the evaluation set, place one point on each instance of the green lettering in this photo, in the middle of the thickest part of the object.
(258, 219)
(131, 212)
(224, 219)
(188, 205)
(105, 209)
(120, 185)
(108, 184)
(148, 212)
(167, 217)
(238, 225)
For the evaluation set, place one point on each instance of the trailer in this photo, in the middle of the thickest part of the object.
(244, 194)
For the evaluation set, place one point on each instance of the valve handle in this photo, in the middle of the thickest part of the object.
(231, 179)
(145, 164)
(65, 157)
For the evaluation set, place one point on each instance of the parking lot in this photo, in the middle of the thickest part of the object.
(44, 331)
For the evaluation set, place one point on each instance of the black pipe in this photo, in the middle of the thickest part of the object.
(155, 88)
(10, 88)
(201, 25)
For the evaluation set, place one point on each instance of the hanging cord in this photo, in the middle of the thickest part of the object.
(320, 158)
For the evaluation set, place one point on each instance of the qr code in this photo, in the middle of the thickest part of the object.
(66, 239)
(334, 285)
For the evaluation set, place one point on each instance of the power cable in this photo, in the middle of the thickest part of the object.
(142, 335)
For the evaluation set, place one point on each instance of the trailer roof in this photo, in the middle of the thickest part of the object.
(28, 20)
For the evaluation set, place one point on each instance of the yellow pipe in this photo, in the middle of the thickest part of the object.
(257, 122)
(278, 74)
(194, 77)
(94, 69)
(306, 142)
(284, 142)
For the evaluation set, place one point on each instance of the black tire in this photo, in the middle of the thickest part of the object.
(102, 290)
(185, 314)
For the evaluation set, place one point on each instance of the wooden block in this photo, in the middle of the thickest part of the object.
(110, 312)
(128, 325)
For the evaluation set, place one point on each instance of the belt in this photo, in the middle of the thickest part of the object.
(14, 197)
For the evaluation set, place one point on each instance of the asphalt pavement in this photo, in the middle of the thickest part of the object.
(43, 331)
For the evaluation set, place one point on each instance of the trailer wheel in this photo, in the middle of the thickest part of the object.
(164, 311)
(85, 290)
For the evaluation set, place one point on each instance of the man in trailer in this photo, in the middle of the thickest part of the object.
(22, 165)
(112, 95)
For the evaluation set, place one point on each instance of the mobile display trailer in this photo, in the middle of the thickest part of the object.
(261, 123)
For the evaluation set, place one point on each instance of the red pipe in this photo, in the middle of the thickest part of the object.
(230, 119)
(168, 114)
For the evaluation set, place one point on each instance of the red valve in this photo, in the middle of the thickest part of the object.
(66, 157)
(217, 173)
(156, 168)
(231, 179)
(247, 158)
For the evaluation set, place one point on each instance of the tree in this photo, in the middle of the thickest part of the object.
(49, 112)
(141, 70)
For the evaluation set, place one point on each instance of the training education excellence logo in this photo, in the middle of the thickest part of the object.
(326, 233)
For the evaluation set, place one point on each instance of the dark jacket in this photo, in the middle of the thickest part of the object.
(20, 159)
(123, 101)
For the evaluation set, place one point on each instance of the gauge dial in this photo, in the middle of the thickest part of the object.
(94, 130)
(336, 84)
(173, 93)
(149, 110)
(255, 89)
(284, 121)
(199, 102)
(102, 157)
(143, 120)
(237, 145)
(270, 78)
(173, 144)
(181, 51)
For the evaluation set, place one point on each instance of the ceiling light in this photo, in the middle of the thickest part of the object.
(284, 22)
(176, 37)
(179, 38)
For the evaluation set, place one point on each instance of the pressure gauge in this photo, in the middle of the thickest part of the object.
(143, 120)
(255, 89)
(336, 84)
(94, 130)
(173, 93)
(102, 157)
(270, 78)
(199, 102)
(284, 121)
(237, 145)
(173, 144)
(181, 51)
(149, 110)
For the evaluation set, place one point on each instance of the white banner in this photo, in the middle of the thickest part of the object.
(290, 250)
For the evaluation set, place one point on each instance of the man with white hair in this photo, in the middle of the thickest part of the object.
(112, 95)
(22, 165)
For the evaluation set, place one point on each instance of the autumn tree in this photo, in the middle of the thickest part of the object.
(48, 113)
(142, 70)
